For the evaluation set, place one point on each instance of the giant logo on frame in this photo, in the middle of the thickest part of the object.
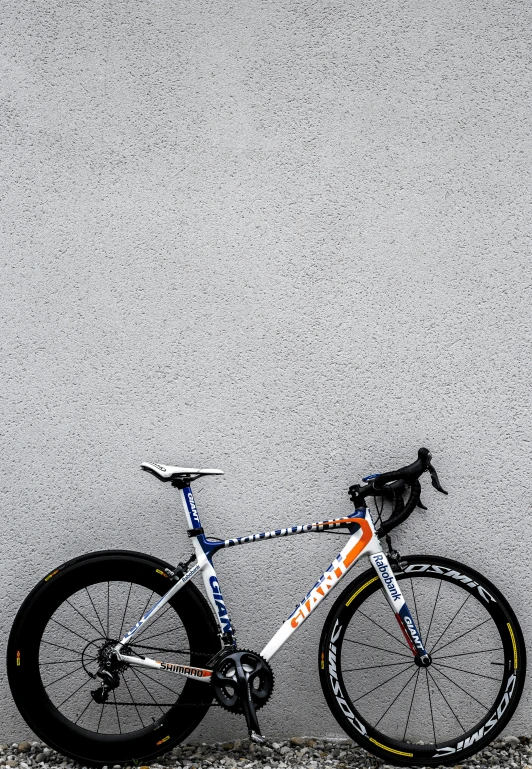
(335, 571)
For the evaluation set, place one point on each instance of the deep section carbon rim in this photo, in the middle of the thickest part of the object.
(395, 707)
(68, 625)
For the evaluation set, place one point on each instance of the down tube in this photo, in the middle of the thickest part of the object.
(364, 541)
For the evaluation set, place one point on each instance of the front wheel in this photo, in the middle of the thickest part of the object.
(64, 629)
(406, 714)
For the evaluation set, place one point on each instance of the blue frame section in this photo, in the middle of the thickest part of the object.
(211, 546)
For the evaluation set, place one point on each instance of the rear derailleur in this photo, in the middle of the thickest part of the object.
(243, 682)
(108, 672)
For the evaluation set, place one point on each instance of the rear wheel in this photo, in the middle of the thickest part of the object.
(65, 628)
(410, 715)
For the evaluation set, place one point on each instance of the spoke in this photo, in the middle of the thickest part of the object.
(401, 690)
(415, 607)
(445, 699)
(401, 643)
(426, 640)
(125, 610)
(75, 692)
(96, 612)
(472, 672)
(99, 720)
(70, 630)
(464, 654)
(58, 646)
(373, 667)
(83, 616)
(431, 712)
(411, 703)
(450, 623)
(462, 689)
(117, 716)
(163, 632)
(155, 681)
(133, 701)
(161, 649)
(144, 685)
(152, 622)
(379, 685)
(64, 676)
(64, 662)
(84, 709)
(143, 612)
(372, 646)
(463, 634)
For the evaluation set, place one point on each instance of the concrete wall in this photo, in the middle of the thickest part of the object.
(288, 239)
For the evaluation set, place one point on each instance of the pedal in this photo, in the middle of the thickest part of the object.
(259, 738)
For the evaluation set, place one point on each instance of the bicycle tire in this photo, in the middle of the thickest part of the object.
(361, 626)
(65, 605)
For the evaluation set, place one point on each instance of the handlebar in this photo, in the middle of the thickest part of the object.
(392, 486)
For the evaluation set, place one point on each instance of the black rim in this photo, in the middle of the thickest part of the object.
(407, 710)
(62, 630)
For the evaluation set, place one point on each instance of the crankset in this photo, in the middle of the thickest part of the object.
(243, 682)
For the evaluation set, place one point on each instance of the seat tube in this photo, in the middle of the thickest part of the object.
(189, 506)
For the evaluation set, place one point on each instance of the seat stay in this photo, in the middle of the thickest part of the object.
(153, 610)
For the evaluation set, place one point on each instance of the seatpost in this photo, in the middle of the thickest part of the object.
(191, 511)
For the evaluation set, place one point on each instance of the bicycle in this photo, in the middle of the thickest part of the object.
(433, 686)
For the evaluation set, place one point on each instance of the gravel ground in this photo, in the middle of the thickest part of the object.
(305, 752)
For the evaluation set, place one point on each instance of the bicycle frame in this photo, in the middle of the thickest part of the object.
(363, 541)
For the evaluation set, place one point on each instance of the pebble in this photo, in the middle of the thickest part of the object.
(512, 741)
(508, 752)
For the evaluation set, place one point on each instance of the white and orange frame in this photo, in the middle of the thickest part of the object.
(363, 541)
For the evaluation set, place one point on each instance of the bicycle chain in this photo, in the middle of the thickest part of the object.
(174, 651)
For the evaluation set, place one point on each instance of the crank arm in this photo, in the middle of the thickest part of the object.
(247, 704)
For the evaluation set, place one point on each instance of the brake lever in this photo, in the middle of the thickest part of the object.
(421, 505)
(435, 480)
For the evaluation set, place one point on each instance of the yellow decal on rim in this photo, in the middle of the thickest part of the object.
(18, 659)
(51, 575)
(158, 571)
(392, 750)
(513, 644)
(360, 589)
(163, 740)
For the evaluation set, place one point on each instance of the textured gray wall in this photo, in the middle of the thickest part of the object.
(290, 239)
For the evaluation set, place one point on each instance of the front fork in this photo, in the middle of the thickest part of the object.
(395, 598)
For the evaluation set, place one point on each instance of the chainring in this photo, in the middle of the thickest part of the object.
(259, 675)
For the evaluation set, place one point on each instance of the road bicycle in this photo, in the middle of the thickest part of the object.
(421, 659)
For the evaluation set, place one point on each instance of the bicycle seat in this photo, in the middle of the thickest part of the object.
(170, 473)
